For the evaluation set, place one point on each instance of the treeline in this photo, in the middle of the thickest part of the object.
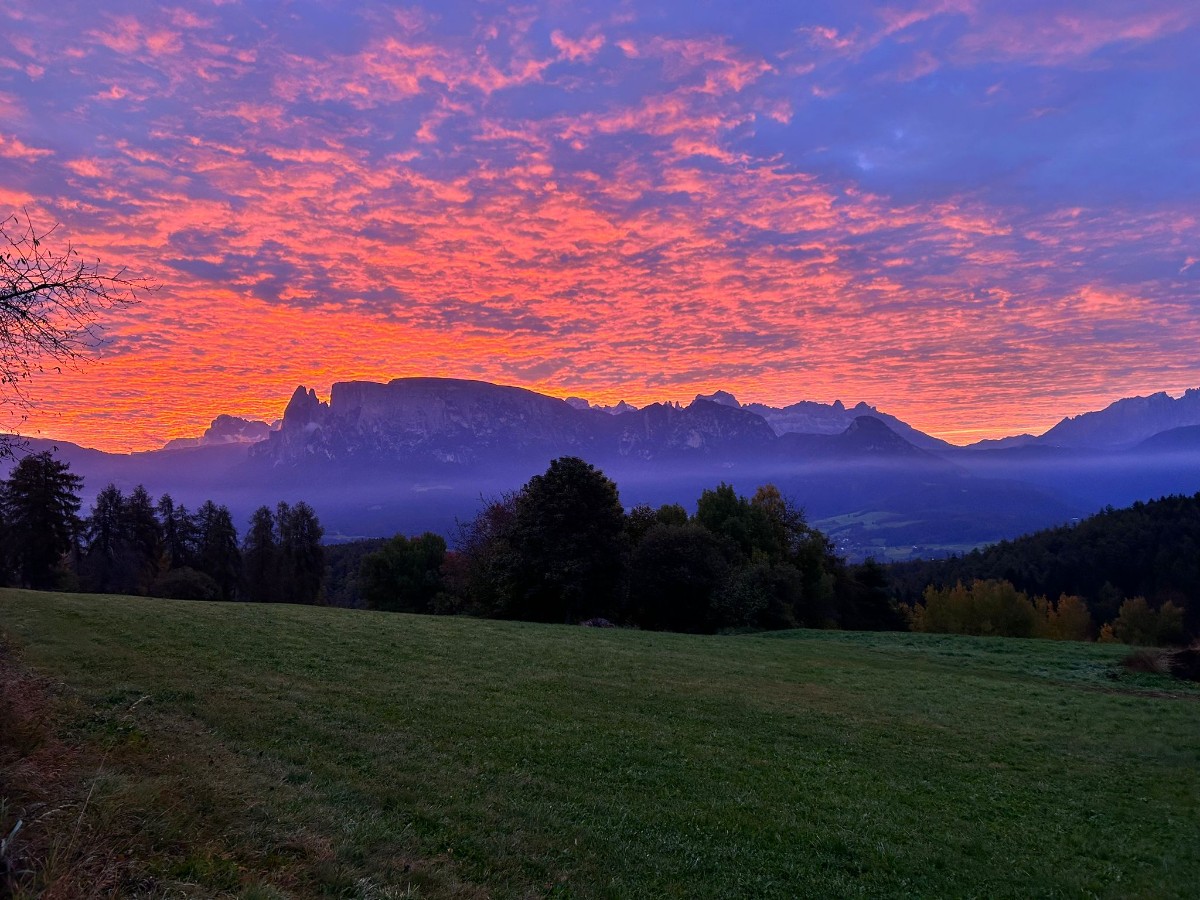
(134, 544)
(563, 549)
(1144, 556)
(997, 608)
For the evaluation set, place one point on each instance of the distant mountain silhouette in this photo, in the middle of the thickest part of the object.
(1126, 422)
(865, 439)
(453, 422)
(225, 430)
(1185, 439)
(418, 453)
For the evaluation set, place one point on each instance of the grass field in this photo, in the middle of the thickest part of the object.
(266, 751)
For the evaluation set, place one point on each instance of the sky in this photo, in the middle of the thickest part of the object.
(978, 216)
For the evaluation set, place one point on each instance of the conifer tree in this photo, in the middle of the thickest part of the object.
(301, 556)
(218, 553)
(107, 561)
(260, 558)
(178, 534)
(40, 505)
(145, 537)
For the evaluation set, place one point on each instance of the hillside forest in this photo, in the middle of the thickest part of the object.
(564, 549)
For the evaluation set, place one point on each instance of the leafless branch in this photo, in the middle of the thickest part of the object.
(50, 301)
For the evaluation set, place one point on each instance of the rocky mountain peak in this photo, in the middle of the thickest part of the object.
(303, 409)
(724, 398)
(1126, 422)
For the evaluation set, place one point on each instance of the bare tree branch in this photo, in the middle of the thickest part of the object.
(50, 301)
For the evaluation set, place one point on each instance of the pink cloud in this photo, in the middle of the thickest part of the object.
(128, 36)
(826, 37)
(114, 92)
(897, 20)
(922, 64)
(582, 49)
(86, 168)
(1050, 38)
(15, 148)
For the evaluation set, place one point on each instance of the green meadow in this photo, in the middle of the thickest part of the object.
(163, 748)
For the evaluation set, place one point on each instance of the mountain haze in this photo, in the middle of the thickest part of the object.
(418, 453)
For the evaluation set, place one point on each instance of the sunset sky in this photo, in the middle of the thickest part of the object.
(979, 216)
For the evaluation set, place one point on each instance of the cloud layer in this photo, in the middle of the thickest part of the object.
(980, 216)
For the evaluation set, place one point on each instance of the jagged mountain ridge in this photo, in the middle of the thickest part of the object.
(1122, 424)
(809, 417)
(866, 438)
(1126, 422)
(468, 423)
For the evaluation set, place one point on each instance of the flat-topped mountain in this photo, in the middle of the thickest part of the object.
(462, 423)
(439, 419)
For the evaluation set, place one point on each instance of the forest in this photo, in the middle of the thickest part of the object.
(133, 544)
(564, 549)
(1150, 550)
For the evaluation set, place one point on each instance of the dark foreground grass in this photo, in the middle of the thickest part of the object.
(269, 751)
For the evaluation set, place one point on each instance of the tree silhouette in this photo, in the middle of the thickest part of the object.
(217, 550)
(40, 506)
(50, 300)
(260, 558)
(568, 537)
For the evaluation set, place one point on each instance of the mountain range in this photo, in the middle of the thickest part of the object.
(419, 453)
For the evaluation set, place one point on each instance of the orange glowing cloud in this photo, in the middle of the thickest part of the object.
(582, 207)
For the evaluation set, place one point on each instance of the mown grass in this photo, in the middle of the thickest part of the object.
(274, 750)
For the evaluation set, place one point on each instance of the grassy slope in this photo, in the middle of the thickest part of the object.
(334, 752)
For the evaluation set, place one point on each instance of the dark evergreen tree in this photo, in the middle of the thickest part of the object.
(864, 599)
(145, 538)
(179, 534)
(218, 555)
(260, 558)
(109, 562)
(40, 506)
(301, 556)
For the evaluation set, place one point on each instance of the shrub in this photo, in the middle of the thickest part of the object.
(985, 608)
(185, 584)
(1138, 623)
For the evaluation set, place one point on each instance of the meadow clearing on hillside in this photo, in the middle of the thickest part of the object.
(272, 750)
